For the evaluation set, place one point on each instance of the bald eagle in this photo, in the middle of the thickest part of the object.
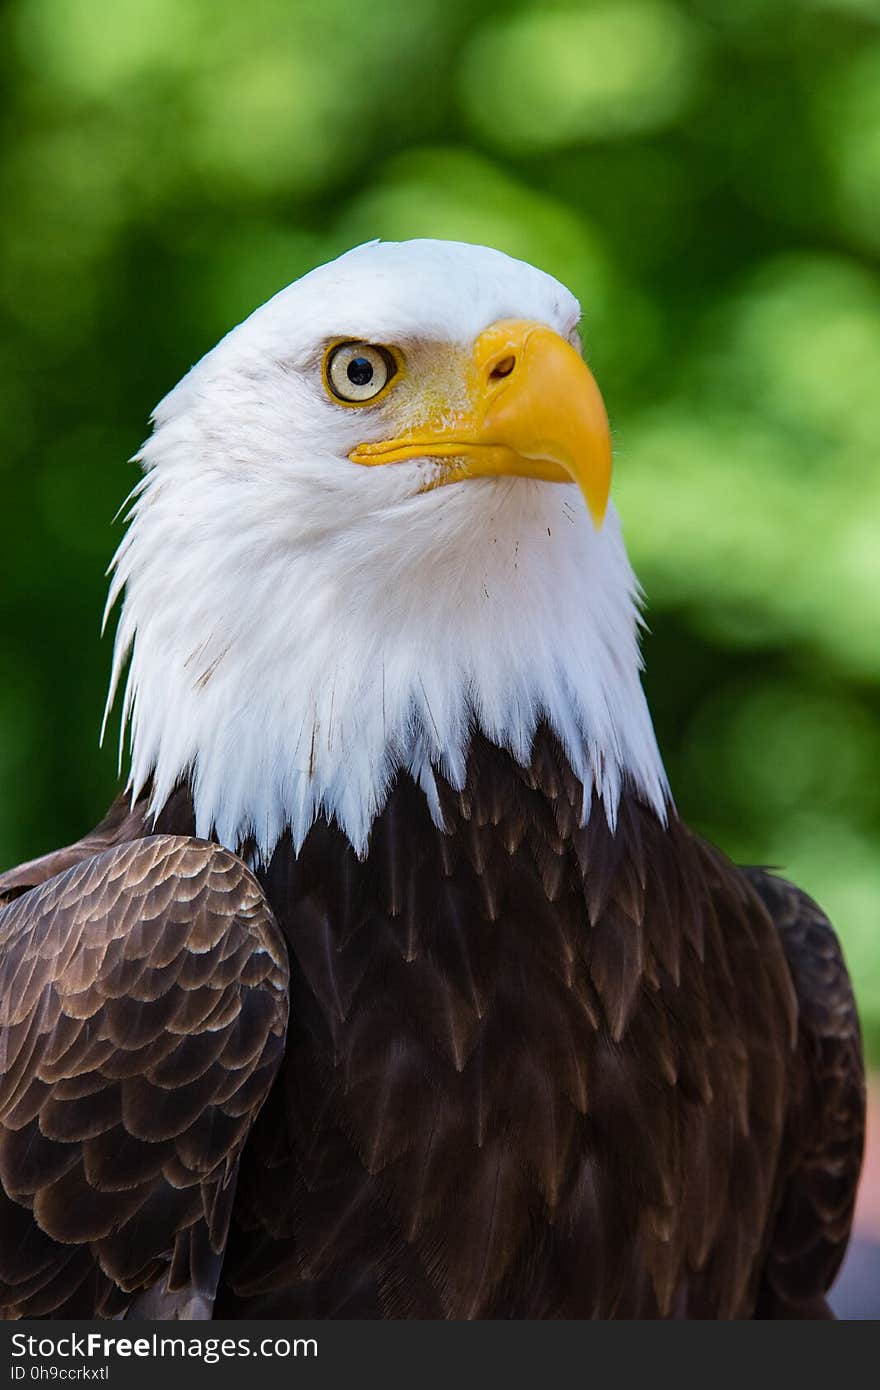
(394, 986)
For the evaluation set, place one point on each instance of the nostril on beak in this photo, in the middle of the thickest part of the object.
(503, 368)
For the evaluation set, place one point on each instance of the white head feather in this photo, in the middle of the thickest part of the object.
(301, 628)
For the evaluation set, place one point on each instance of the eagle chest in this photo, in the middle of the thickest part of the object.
(485, 1025)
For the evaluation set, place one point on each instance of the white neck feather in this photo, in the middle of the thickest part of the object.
(285, 681)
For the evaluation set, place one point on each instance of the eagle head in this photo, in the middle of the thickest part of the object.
(373, 519)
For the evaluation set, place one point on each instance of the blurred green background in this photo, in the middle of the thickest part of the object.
(705, 174)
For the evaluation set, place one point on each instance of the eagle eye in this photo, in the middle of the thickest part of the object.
(357, 372)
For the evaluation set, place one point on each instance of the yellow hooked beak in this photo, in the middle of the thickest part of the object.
(535, 412)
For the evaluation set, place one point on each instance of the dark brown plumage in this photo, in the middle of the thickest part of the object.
(143, 1002)
(532, 1069)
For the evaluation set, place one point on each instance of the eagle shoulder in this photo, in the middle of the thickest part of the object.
(122, 823)
(143, 1009)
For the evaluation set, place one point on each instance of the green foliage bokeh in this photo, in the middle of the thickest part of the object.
(705, 174)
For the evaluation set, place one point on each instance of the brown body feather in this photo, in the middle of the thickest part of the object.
(532, 1070)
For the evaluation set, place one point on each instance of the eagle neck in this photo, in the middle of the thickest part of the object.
(287, 683)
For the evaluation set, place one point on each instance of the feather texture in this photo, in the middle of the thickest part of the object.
(501, 1102)
(534, 1069)
(143, 1005)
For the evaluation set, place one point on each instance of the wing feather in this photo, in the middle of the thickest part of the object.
(827, 1126)
(143, 1008)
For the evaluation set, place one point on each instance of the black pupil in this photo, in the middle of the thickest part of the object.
(360, 371)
